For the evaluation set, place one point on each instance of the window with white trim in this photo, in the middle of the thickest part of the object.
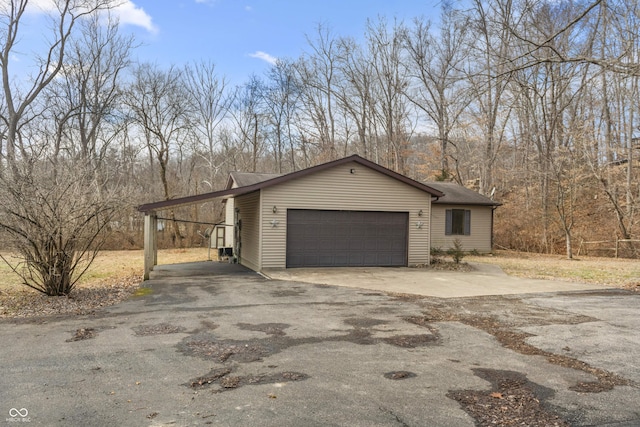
(458, 222)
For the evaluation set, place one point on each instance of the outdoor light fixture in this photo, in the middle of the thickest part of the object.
(275, 209)
(420, 212)
(352, 171)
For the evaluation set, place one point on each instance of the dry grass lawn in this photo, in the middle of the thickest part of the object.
(113, 277)
(607, 271)
(116, 275)
(113, 265)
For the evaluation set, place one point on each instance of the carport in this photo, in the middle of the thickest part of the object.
(151, 214)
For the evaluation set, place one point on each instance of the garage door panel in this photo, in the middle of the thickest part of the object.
(318, 238)
(296, 259)
(396, 246)
(371, 245)
(371, 259)
(357, 245)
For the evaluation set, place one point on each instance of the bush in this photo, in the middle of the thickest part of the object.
(456, 252)
(436, 251)
(54, 222)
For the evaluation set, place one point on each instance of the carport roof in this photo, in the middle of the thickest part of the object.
(232, 192)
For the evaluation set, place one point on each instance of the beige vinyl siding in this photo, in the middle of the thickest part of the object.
(229, 217)
(250, 232)
(480, 237)
(338, 189)
(228, 220)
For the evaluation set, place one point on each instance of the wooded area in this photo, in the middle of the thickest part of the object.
(532, 102)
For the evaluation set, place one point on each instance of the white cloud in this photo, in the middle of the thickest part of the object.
(264, 56)
(129, 13)
(126, 12)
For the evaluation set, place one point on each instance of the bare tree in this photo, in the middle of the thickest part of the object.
(54, 209)
(436, 64)
(355, 94)
(316, 72)
(210, 101)
(489, 75)
(390, 84)
(156, 101)
(620, 60)
(84, 102)
(20, 96)
(280, 100)
(249, 119)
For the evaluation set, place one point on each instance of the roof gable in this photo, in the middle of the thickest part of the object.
(279, 179)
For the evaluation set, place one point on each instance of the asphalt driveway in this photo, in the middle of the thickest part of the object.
(239, 349)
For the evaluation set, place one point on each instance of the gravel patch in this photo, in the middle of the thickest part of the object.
(83, 334)
(513, 401)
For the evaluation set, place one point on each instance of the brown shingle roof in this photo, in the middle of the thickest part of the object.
(455, 194)
(242, 179)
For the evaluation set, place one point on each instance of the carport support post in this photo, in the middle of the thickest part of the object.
(150, 243)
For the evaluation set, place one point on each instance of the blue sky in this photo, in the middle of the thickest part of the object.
(241, 36)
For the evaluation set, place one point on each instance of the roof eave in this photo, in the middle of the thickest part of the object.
(445, 202)
(189, 200)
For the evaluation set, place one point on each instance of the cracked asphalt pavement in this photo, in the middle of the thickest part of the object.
(239, 349)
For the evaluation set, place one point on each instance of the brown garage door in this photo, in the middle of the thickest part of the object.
(317, 238)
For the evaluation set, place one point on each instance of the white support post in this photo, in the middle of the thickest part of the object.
(150, 243)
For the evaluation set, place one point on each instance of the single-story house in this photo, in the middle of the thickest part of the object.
(348, 212)
(461, 214)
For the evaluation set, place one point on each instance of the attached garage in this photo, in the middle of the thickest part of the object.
(324, 238)
(348, 212)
